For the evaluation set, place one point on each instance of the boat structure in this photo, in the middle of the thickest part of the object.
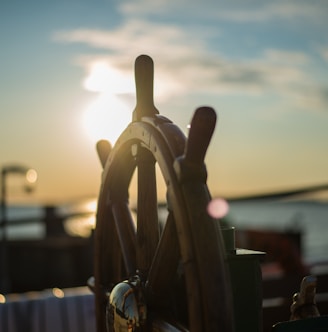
(158, 266)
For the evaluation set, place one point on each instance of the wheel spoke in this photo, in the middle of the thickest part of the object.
(108, 272)
(126, 234)
(103, 148)
(167, 255)
(108, 267)
(147, 216)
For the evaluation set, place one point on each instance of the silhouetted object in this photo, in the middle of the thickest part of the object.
(283, 248)
(127, 310)
(184, 267)
(305, 316)
(304, 305)
(30, 176)
(54, 223)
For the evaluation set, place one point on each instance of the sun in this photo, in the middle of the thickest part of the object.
(106, 118)
(110, 113)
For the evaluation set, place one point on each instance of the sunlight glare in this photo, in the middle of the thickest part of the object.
(108, 115)
(57, 292)
(104, 78)
(80, 225)
(91, 205)
(31, 176)
(106, 118)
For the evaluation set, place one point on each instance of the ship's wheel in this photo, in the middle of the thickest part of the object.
(150, 277)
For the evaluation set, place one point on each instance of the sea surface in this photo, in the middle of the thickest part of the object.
(309, 217)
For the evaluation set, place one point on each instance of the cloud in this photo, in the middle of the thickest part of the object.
(131, 37)
(311, 97)
(185, 65)
(265, 11)
(290, 58)
(324, 53)
(165, 43)
(240, 11)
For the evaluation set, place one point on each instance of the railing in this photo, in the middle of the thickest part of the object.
(49, 259)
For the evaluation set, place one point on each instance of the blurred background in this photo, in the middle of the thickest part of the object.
(67, 80)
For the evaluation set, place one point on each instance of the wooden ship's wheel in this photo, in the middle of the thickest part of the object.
(148, 277)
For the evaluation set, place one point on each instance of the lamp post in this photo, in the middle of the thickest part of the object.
(30, 178)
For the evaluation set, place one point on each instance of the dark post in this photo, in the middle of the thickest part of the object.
(4, 280)
(30, 176)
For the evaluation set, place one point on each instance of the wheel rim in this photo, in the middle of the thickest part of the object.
(190, 238)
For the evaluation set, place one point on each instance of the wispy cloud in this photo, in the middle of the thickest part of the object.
(267, 11)
(187, 65)
(324, 53)
(290, 58)
(236, 11)
(130, 37)
(312, 97)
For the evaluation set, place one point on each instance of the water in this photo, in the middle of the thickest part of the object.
(29, 225)
(310, 217)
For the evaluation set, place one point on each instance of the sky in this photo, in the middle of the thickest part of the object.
(67, 80)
